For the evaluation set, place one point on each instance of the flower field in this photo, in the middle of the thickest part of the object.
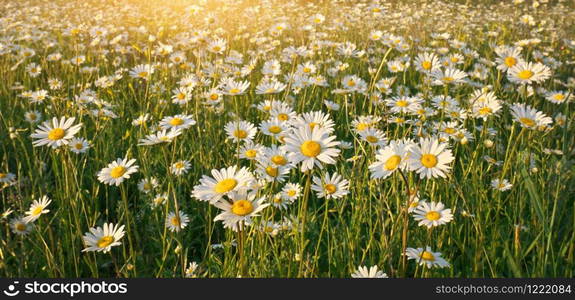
(285, 138)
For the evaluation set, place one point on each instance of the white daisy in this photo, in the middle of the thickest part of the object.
(223, 182)
(426, 257)
(175, 223)
(117, 171)
(239, 210)
(430, 158)
(330, 187)
(311, 147)
(37, 208)
(372, 272)
(55, 133)
(432, 214)
(103, 239)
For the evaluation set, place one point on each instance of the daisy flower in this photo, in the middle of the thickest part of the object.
(117, 171)
(103, 239)
(557, 97)
(330, 187)
(37, 208)
(389, 159)
(176, 222)
(313, 119)
(55, 133)
(162, 136)
(239, 210)
(426, 257)
(448, 76)
(231, 87)
(20, 227)
(142, 71)
(311, 147)
(291, 191)
(191, 270)
(177, 122)
(271, 172)
(501, 185)
(374, 137)
(430, 158)
(432, 214)
(274, 127)
(529, 117)
(528, 72)
(33, 116)
(159, 199)
(240, 130)
(427, 62)
(79, 145)
(250, 150)
(223, 182)
(7, 177)
(147, 185)
(507, 57)
(372, 272)
(180, 167)
(274, 155)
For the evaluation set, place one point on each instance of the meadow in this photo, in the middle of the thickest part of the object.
(285, 138)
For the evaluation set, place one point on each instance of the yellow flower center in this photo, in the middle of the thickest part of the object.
(275, 129)
(372, 139)
(251, 153)
(241, 134)
(426, 65)
(181, 96)
(401, 103)
(427, 256)
(225, 185)
(78, 146)
(448, 79)
(485, 110)
(214, 97)
(176, 221)
(527, 122)
(279, 160)
(525, 74)
(20, 227)
(330, 188)
(56, 134)
(432, 216)
(38, 210)
(392, 162)
(283, 117)
(143, 74)
(271, 171)
(428, 160)
(312, 125)
(105, 241)
(291, 193)
(179, 165)
(306, 70)
(176, 122)
(242, 207)
(310, 148)
(234, 91)
(351, 82)
(449, 130)
(510, 61)
(118, 172)
(3, 175)
(362, 126)
(559, 97)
